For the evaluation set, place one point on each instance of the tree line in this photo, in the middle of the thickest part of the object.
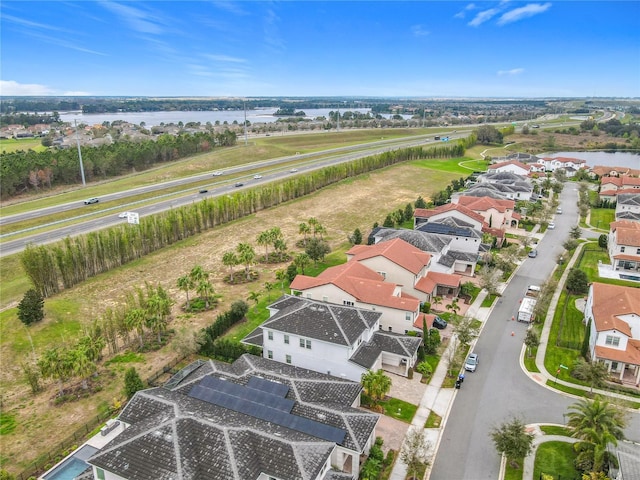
(54, 267)
(21, 171)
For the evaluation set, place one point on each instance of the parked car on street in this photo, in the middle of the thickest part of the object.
(533, 253)
(551, 226)
(472, 363)
(91, 200)
(559, 211)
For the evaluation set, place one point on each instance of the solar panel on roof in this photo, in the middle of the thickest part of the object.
(256, 396)
(268, 386)
(444, 229)
(244, 400)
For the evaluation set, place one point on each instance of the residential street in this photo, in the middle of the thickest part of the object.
(499, 389)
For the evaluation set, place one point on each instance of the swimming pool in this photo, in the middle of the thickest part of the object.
(73, 465)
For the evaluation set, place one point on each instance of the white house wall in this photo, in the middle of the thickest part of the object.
(323, 357)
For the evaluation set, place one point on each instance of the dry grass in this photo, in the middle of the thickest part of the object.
(355, 203)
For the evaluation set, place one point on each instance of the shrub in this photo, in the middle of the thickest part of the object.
(31, 307)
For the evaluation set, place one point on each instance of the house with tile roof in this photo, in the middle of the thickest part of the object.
(356, 285)
(397, 261)
(566, 163)
(614, 315)
(510, 185)
(624, 248)
(496, 213)
(611, 187)
(446, 260)
(253, 419)
(338, 340)
(512, 166)
(628, 206)
(607, 171)
(460, 212)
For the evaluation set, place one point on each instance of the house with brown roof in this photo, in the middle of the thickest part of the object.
(342, 341)
(606, 171)
(356, 285)
(426, 215)
(397, 261)
(512, 166)
(496, 213)
(624, 248)
(614, 338)
(611, 187)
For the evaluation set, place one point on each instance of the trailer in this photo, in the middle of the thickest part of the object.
(525, 312)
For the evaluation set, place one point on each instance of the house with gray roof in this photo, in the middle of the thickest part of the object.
(255, 419)
(334, 339)
(628, 206)
(507, 184)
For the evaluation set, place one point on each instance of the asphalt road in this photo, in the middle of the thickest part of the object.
(499, 390)
(221, 185)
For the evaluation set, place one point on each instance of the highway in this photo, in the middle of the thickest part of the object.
(271, 170)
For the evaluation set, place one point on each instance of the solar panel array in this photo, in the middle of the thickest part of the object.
(262, 404)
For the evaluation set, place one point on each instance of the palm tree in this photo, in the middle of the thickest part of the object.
(229, 259)
(376, 384)
(185, 283)
(301, 261)
(264, 240)
(454, 307)
(254, 297)
(246, 256)
(83, 366)
(597, 423)
(268, 286)
(198, 274)
(135, 319)
(205, 289)
(281, 276)
(304, 230)
(437, 300)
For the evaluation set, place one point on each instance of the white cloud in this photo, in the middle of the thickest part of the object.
(419, 31)
(137, 19)
(231, 7)
(11, 87)
(513, 71)
(483, 16)
(225, 58)
(523, 12)
(462, 13)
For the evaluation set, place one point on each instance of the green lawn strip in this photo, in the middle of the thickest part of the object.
(589, 264)
(555, 430)
(419, 472)
(530, 362)
(399, 409)
(563, 388)
(511, 473)
(602, 217)
(433, 420)
(7, 423)
(127, 357)
(488, 300)
(556, 459)
(14, 281)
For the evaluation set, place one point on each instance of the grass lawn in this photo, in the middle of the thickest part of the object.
(511, 473)
(488, 300)
(555, 458)
(399, 409)
(463, 166)
(602, 217)
(433, 421)
(555, 430)
(9, 145)
(589, 265)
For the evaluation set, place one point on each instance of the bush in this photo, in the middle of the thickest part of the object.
(424, 368)
(31, 307)
(132, 382)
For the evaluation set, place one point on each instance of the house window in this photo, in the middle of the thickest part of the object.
(614, 366)
(288, 359)
(302, 343)
(100, 473)
(348, 303)
(270, 335)
(325, 298)
(308, 345)
(613, 341)
(270, 354)
(390, 328)
(286, 339)
(384, 274)
(637, 251)
(622, 249)
(407, 316)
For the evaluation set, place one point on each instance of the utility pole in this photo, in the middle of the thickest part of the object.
(338, 124)
(245, 123)
(84, 184)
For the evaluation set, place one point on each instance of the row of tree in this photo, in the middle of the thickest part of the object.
(21, 171)
(52, 268)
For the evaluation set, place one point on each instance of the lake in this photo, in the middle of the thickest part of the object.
(615, 159)
(264, 115)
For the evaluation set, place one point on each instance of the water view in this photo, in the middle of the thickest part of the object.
(609, 159)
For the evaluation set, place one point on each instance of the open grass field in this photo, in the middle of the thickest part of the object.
(363, 201)
(10, 145)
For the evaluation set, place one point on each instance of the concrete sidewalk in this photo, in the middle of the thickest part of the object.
(437, 399)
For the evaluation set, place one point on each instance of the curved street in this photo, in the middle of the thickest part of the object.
(499, 389)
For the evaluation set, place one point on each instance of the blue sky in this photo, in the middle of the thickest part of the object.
(308, 48)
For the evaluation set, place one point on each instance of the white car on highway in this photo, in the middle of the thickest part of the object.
(123, 215)
(257, 177)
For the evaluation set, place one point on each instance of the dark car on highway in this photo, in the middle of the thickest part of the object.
(239, 184)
